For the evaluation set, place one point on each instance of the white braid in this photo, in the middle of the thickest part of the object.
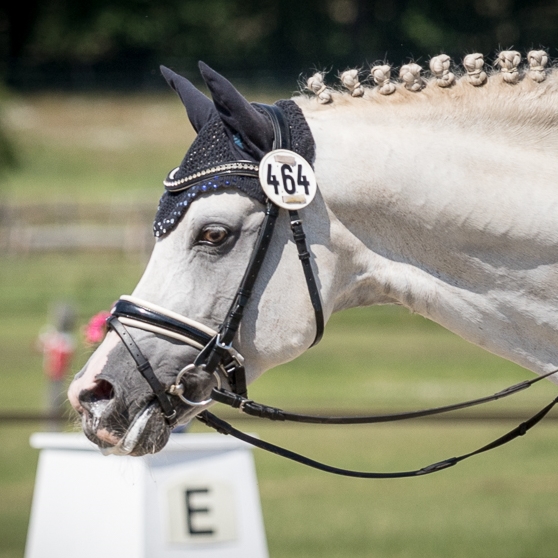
(440, 68)
(382, 75)
(538, 59)
(317, 86)
(410, 76)
(350, 80)
(474, 65)
(509, 60)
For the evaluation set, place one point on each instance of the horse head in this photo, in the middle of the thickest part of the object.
(421, 203)
(207, 225)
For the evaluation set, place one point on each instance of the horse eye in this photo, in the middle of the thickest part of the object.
(213, 234)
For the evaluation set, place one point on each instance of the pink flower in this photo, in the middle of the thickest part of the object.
(96, 329)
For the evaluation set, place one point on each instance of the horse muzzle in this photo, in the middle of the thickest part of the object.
(119, 410)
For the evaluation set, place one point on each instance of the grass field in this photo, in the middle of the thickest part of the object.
(500, 505)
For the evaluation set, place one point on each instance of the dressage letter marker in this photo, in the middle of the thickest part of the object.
(287, 179)
(197, 498)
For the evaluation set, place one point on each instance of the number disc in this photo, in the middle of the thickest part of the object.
(287, 179)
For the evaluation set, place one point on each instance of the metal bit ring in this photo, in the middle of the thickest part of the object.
(179, 389)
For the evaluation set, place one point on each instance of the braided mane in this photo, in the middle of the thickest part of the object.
(440, 74)
(513, 100)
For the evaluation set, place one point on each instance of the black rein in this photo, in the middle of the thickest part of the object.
(223, 427)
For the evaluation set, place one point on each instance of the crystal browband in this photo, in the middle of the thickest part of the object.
(238, 168)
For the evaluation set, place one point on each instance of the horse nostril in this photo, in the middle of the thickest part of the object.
(102, 391)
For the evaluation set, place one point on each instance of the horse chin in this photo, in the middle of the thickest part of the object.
(147, 433)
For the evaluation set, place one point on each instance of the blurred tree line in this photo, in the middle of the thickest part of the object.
(120, 43)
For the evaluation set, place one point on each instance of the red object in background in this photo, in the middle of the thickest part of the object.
(96, 329)
(58, 351)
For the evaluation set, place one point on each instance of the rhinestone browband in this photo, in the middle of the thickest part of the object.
(239, 168)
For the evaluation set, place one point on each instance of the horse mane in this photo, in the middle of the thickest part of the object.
(521, 103)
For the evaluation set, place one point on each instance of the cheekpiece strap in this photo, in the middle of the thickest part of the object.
(223, 341)
(230, 326)
(283, 141)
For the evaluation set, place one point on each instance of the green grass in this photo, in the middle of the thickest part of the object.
(94, 148)
(18, 462)
(499, 505)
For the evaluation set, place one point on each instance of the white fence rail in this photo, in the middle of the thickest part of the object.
(125, 227)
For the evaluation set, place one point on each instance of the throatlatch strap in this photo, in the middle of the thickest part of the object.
(144, 368)
(283, 141)
(304, 257)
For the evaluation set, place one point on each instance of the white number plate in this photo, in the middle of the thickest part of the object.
(287, 179)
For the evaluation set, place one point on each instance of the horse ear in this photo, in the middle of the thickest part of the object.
(238, 115)
(198, 107)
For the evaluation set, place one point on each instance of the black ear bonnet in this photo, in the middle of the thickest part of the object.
(215, 147)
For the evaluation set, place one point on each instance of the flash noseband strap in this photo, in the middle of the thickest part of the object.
(145, 369)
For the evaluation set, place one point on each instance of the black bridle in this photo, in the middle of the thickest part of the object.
(217, 352)
(217, 355)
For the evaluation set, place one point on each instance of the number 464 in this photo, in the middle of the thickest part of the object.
(287, 179)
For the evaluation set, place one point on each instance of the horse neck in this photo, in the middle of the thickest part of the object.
(437, 209)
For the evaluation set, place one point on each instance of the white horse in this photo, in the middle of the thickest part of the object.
(437, 194)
